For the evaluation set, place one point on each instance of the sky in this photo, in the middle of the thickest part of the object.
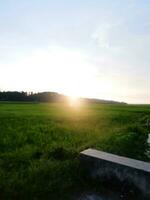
(88, 48)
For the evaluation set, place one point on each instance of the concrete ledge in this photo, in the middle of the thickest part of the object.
(100, 164)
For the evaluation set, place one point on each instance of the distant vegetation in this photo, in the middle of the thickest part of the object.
(40, 145)
(46, 97)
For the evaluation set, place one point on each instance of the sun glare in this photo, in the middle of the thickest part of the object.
(74, 101)
(65, 71)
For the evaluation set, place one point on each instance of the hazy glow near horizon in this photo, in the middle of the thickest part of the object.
(86, 48)
(60, 70)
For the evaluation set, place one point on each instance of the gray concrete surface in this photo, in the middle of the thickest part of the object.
(100, 164)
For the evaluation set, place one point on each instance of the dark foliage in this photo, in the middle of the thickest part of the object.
(36, 97)
(46, 97)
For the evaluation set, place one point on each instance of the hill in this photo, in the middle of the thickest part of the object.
(47, 97)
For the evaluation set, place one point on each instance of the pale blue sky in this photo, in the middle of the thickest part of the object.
(89, 48)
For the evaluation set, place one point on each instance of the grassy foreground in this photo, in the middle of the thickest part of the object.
(40, 144)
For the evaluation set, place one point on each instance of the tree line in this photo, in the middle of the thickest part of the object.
(46, 97)
(36, 97)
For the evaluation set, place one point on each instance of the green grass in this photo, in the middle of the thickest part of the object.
(40, 145)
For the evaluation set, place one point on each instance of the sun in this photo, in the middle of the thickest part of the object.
(74, 101)
(66, 71)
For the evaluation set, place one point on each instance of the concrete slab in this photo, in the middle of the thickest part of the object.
(101, 164)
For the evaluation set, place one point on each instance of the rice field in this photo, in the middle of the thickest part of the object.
(40, 144)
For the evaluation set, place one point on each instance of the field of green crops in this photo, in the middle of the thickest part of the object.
(40, 145)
